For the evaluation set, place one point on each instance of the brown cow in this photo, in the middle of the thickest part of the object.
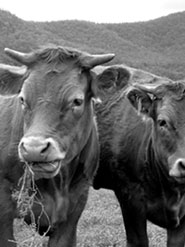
(48, 125)
(142, 157)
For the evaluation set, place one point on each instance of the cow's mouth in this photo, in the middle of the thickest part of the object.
(45, 169)
(179, 179)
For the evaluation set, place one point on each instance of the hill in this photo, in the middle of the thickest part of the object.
(156, 46)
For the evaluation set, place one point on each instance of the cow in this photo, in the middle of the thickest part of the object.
(47, 124)
(141, 123)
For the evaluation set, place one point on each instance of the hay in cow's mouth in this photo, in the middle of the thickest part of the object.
(25, 195)
(45, 169)
(25, 192)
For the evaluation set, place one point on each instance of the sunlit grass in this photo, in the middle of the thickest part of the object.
(100, 225)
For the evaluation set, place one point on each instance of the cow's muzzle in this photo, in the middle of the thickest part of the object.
(178, 169)
(42, 154)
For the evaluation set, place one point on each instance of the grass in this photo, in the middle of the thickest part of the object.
(100, 225)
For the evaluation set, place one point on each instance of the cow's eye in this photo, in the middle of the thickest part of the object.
(77, 105)
(162, 123)
(22, 101)
(78, 102)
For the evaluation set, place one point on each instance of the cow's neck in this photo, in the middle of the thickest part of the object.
(13, 169)
(57, 195)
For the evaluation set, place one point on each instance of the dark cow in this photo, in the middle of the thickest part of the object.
(141, 124)
(48, 124)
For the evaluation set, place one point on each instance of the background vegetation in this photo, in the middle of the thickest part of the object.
(157, 46)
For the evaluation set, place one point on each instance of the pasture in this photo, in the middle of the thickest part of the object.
(100, 225)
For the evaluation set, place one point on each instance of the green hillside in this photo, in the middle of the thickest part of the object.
(157, 46)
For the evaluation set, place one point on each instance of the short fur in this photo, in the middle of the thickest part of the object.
(53, 107)
(137, 157)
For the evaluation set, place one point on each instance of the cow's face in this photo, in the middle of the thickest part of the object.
(57, 112)
(164, 103)
(57, 117)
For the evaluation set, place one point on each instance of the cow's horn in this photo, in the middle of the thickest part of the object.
(94, 60)
(21, 70)
(155, 87)
(23, 58)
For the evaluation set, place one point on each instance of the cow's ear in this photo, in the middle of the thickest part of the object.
(110, 79)
(113, 77)
(141, 100)
(11, 79)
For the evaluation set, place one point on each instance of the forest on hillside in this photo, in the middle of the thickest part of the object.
(156, 46)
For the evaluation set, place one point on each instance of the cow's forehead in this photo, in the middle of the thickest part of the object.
(172, 106)
(44, 79)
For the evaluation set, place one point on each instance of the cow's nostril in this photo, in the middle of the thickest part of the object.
(181, 164)
(47, 146)
(23, 147)
(38, 149)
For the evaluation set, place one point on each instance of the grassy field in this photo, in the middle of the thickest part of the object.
(101, 225)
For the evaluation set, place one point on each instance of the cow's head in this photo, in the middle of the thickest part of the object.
(55, 97)
(163, 101)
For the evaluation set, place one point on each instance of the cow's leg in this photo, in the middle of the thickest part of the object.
(65, 234)
(7, 210)
(134, 216)
(6, 232)
(176, 236)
